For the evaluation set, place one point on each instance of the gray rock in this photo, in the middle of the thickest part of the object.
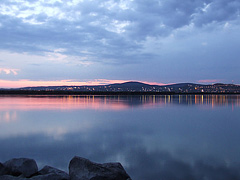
(21, 166)
(9, 177)
(83, 169)
(50, 173)
(47, 177)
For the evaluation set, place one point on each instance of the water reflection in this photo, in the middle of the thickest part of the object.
(113, 102)
(154, 137)
(8, 116)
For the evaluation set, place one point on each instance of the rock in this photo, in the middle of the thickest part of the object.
(47, 177)
(9, 177)
(79, 169)
(21, 166)
(50, 173)
(84, 169)
(3, 170)
(52, 170)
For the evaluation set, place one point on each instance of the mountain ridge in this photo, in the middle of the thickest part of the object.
(136, 86)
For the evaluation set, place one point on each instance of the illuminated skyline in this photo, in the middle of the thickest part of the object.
(80, 42)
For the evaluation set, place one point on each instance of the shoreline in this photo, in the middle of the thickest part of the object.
(42, 92)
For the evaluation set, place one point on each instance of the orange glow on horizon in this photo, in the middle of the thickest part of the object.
(67, 82)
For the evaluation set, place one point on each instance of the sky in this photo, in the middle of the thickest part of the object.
(78, 42)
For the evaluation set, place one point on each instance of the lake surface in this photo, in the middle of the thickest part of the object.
(154, 137)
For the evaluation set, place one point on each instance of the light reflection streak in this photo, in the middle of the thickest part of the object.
(62, 103)
(8, 116)
(27, 103)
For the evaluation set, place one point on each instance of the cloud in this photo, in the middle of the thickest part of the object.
(9, 71)
(103, 28)
(156, 34)
(217, 11)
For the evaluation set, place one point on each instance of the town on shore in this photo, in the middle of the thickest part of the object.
(130, 88)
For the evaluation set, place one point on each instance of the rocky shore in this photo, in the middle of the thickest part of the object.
(79, 169)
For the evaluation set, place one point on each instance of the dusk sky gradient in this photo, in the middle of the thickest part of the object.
(77, 42)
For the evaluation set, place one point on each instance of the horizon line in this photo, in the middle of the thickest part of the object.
(11, 84)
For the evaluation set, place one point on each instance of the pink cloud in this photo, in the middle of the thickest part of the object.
(153, 83)
(9, 71)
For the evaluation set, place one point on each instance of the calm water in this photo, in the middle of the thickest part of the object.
(154, 137)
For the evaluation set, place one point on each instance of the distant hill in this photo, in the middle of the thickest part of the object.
(130, 83)
(142, 87)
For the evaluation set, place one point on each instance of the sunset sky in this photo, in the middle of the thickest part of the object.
(77, 42)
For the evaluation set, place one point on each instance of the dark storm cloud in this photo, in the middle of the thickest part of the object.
(156, 18)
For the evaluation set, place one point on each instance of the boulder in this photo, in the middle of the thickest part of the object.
(3, 170)
(84, 169)
(46, 177)
(21, 166)
(50, 173)
(9, 177)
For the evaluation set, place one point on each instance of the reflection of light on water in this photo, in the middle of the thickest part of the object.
(213, 100)
(61, 102)
(110, 102)
(8, 116)
(57, 133)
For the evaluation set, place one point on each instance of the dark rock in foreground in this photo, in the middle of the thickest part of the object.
(83, 169)
(9, 177)
(51, 173)
(3, 169)
(21, 166)
(79, 169)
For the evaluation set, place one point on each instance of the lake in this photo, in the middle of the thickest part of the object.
(182, 137)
